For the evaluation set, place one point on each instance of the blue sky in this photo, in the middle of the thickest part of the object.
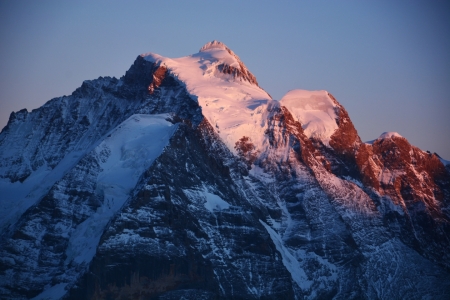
(387, 62)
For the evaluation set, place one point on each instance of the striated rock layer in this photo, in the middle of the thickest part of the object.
(184, 179)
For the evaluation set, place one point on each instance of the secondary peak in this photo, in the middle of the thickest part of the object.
(388, 135)
(214, 45)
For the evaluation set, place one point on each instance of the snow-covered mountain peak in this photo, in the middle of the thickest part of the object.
(214, 45)
(388, 135)
(315, 110)
(186, 164)
(216, 50)
(229, 64)
(227, 92)
(384, 136)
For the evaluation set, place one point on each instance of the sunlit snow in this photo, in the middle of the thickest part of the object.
(123, 156)
(385, 135)
(233, 107)
(388, 135)
(315, 110)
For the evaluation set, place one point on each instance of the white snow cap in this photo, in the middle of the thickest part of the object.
(232, 106)
(315, 110)
(388, 135)
(214, 45)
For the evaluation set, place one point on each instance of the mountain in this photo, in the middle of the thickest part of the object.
(184, 179)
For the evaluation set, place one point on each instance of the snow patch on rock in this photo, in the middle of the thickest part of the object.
(124, 155)
(53, 293)
(210, 201)
(214, 202)
(289, 261)
(315, 110)
(17, 197)
(388, 135)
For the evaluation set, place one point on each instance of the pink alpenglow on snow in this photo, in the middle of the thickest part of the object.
(232, 102)
(315, 110)
(388, 135)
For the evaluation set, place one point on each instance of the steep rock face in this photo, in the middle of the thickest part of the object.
(417, 184)
(37, 151)
(312, 198)
(409, 186)
(284, 132)
(44, 144)
(71, 192)
(344, 142)
(34, 255)
(158, 78)
(38, 148)
(189, 230)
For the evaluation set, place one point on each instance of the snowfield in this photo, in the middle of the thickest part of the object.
(124, 155)
(315, 110)
(234, 107)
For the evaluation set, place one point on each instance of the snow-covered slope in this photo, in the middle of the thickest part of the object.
(87, 197)
(388, 135)
(37, 148)
(315, 110)
(228, 93)
(124, 155)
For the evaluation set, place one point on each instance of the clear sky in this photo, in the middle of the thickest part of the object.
(387, 62)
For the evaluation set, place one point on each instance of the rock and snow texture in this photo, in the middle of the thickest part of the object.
(388, 135)
(104, 180)
(37, 148)
(184, 179)
(315, 110)
(214, 202)
(231, 102)
(124, 155)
